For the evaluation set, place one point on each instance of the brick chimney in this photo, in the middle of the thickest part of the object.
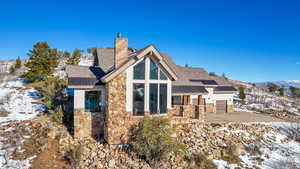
(121, 50)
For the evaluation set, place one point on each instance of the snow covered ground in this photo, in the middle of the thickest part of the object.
(17, 103)
(275, 150)
(258, 99)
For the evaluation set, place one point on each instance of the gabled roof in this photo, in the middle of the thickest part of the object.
(134, 57)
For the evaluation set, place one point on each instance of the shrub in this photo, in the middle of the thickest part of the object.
(152, 140)
(12, 69)
(51, 90)
(201, 161)
(58, 115)
(242, 93)
(3, 112)
(229, 154)
(74, 155)
(253, 149)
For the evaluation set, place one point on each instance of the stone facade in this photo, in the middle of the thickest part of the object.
(88, 124)
(82, 123)
(182, 114)
(117, 119)
(230, 108)
(209, 107)
(121, 51)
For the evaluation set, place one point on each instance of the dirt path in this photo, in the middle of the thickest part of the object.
(239, 117)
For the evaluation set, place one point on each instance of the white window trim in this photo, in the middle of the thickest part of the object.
(79, 97)
(146, 81)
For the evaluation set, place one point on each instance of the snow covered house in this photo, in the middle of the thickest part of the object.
(126, 84)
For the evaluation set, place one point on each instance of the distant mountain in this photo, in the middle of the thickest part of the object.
(284, 83)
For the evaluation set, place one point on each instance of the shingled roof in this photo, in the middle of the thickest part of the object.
(188, 90)
(225, 88)
(187, 76)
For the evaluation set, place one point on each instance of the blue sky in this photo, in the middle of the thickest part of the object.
(247, 40)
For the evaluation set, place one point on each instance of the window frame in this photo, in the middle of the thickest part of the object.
(147, 81)
(100, 101)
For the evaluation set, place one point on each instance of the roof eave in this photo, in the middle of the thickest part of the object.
(132, 60)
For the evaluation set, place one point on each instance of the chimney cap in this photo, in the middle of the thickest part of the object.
(119, 35)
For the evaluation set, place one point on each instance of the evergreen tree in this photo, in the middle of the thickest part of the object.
(42, 61)
(18, 63)
(224, 76)
(92, 50)
(242, 93)
(281, 91)
(75, 58)
(12, 69)
(66, 54)
(295, 91)
(212, 74)
(272, 87)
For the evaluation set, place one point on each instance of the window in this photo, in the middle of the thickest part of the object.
(162, 75)
(176, 100)
(148, 76)
(158, 98)
(139, 71)
(163, 98)
(153, 99)
(138, 99)
(153, 70)
(93, 101)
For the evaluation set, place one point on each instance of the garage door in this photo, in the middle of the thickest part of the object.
(221, 106)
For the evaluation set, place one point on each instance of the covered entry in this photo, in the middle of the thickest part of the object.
(221, 106)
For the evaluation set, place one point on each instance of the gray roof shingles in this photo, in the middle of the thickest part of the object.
(188, 89)
(187, 76)
(225, 88)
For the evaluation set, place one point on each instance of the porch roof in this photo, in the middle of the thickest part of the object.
(188, 90)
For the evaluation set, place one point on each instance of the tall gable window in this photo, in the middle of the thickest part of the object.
(139, 71)
(148, 76)
(153, 70)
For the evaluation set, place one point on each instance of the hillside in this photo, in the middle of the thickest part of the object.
(31, 139)
(283, 83)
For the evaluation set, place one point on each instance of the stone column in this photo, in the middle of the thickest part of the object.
(82, 119)
(230, 108)
(118, 121)
(82, 123)
(210, 107)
